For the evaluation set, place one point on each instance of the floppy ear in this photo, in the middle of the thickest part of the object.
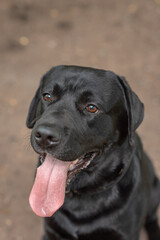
(134, 107)
(33, 109)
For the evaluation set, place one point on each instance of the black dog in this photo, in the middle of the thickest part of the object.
(91, 160)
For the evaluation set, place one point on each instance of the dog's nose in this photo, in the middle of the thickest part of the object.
(46, 137)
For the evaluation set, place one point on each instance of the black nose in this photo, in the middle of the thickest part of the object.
(46, 137)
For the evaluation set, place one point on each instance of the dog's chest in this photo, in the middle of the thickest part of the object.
(82, 218)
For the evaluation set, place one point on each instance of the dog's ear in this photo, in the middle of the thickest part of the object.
(134, 107)
(31, 118)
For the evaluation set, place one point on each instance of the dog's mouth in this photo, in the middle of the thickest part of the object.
(80, 164)
(77, 165)
(48, 191)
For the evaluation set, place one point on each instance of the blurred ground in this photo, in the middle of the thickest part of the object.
(123, 36)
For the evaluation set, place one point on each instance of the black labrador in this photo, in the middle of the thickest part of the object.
(92, 167)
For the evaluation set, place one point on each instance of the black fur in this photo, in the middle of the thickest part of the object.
(118, 193)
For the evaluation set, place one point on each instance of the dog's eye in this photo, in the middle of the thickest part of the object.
(47, 97)
(92, 108)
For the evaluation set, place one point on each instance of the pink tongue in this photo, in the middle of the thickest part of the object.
(48, 191)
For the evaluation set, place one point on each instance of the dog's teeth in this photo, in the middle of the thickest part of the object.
(72, 165)
(80, 160)
(41, 159)
(75, 162)
(88, 163)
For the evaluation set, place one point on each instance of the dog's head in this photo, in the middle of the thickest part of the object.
(79, 113)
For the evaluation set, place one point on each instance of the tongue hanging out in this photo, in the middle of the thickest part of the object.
(48, 191)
